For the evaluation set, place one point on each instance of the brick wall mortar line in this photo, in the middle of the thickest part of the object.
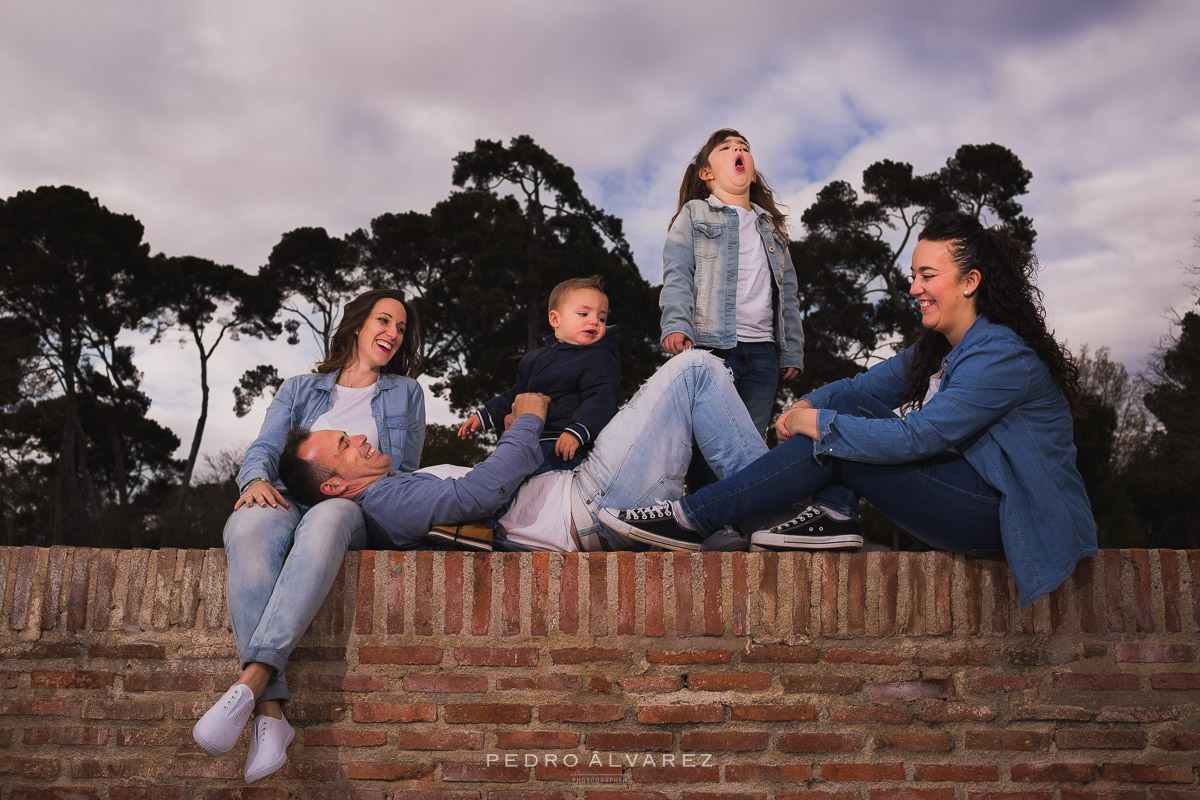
(52, 596)
(7, 556)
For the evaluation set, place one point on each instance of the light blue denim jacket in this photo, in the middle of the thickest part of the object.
(398, 405)
(700, 273)
(999, 407)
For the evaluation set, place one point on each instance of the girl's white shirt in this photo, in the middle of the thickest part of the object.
(755, 314)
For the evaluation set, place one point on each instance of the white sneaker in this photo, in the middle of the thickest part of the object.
(218, 730)
(268, 748)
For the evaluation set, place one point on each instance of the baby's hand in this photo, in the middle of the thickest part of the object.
(566, 446)
(470, 427)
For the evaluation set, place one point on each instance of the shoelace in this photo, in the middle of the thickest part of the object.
(660, 511)
(812, 512)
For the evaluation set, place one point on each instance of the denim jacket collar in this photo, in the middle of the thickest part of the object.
(977, 329)
(716, 203)
(326, 383)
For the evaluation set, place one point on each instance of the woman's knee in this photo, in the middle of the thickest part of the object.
(338, 520)
(857, 403)
(255, 525)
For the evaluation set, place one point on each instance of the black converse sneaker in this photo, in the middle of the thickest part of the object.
(654, 525)
(811, 529)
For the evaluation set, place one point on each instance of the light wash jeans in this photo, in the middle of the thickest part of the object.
(281, 565)
(942, 501)
(641, 455)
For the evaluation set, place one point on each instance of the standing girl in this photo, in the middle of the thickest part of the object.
(728, 281)
(283, 556)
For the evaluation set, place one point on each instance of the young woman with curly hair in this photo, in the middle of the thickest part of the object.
(982, 460)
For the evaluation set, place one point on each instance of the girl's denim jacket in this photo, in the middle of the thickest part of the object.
(700, 273)
(398, 405)
(999, 408)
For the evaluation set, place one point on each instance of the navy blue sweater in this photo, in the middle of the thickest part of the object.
(583, 382)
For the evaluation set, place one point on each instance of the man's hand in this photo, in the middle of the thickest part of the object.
(676, 343)
(469, 428)
(566, 446)
(531, 403)
(789, 374)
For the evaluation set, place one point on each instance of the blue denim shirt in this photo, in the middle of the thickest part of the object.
(700, 272)
(999, 407)
(398, 405)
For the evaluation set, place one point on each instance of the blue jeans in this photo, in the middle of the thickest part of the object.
(281, 565)
(755, 368)
(942, 501)
(641, 455)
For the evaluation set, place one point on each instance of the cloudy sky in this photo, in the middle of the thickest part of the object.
(220, 125)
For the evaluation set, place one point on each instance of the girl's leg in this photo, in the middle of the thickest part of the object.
(319, 546)
(755, 370)
(757, 379)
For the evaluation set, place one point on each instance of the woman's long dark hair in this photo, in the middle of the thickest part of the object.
(692, 188)
(1007, 295)
(406, 361)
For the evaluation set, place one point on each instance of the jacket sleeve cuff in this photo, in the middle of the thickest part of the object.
(579, 431)
(823, 447)
(485, 419)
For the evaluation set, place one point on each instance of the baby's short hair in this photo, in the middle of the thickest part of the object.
(559, 294)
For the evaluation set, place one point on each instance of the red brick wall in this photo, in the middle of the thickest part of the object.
(815, 676)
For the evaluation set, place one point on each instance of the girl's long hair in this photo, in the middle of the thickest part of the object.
(406, 361)
(692, 188)
(1007, 295)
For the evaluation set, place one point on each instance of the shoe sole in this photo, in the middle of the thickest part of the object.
(211, 748)
(609, 520)
(760, 542)
(277, 765)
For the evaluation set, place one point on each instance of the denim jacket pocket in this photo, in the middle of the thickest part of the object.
(707, 238)
(395, 429)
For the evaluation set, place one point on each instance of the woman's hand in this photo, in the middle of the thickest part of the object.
(676, 343)
(795, 420)
(789, 374)
(469, 428)
(261, 493)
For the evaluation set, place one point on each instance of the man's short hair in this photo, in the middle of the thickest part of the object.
(558, 295)
(302, 478)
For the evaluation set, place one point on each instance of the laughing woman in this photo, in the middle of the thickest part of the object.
(982, 462)
(283, 556)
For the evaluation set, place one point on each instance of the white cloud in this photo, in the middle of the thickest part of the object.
(221, 126)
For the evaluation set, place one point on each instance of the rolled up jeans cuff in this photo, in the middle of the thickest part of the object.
(277, 688)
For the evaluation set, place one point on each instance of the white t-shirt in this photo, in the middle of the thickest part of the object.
(540, 518)
(935, 383)
(755, 316)
(351, 412)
